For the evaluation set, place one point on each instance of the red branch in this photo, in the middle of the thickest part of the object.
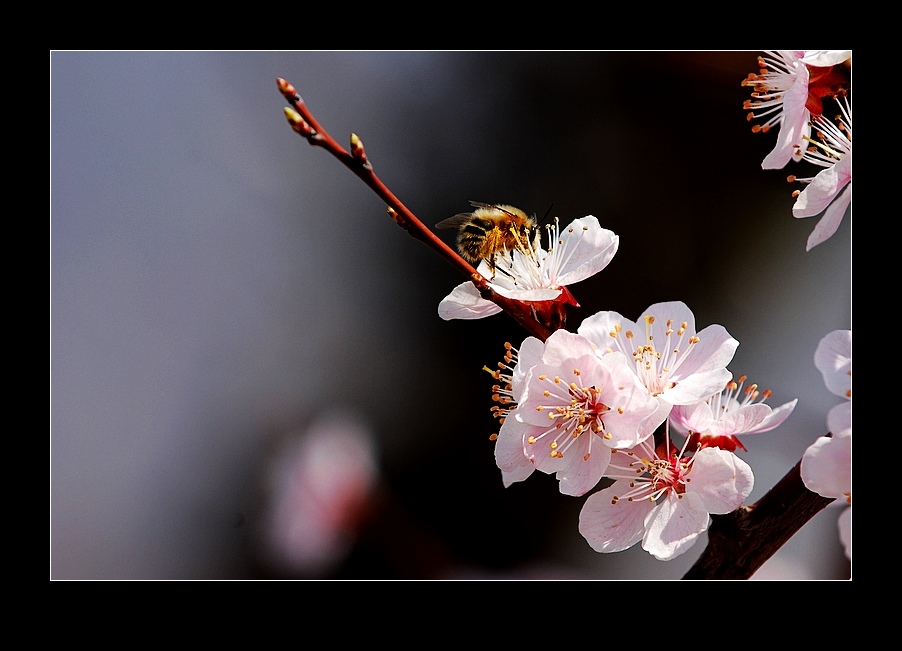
(305, 124)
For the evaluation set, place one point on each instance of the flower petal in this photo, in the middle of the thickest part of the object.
(674, 526)
(599, 329)
(588, 247)
(720, 479)
(563, 345)
(831, 220)
(774, 419)
(582, 475)
(833, 358)
(795, 125)
(509, 455)
(696, 417)
(613, 527)
(839, 419)
(824, 188)
(845, 531)
(827, 466)
(464, 302)
(528, 355)
(825, 58)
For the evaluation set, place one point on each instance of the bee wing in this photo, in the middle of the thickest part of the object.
(455, 222)
(480, 204)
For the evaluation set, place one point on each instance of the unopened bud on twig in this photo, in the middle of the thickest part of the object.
(297, 122)
(357, 151)
(288, 91)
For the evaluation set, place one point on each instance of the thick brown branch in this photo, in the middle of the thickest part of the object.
(305, 124)
(740, 542)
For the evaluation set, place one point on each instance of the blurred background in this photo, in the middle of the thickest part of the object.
(248, 376)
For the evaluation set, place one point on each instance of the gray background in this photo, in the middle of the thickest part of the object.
(217, 283)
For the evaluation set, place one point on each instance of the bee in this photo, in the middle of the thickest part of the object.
(491, 229)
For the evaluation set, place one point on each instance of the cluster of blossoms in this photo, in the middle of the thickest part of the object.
(601, 403)
(606, 402)
(827, 463)
(788, 93)
(649, 409)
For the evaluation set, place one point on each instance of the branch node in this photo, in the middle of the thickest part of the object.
(398, 219)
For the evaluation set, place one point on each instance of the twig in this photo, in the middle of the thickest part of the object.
(305, 124)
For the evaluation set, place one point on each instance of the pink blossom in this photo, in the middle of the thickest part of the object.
(827, 463)
(830, 191)
(717, 421)
(677, 365)
(833, 358)
(319, 485)
(785, 96)
(572, 408)
(533, 274)
(663, 498)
